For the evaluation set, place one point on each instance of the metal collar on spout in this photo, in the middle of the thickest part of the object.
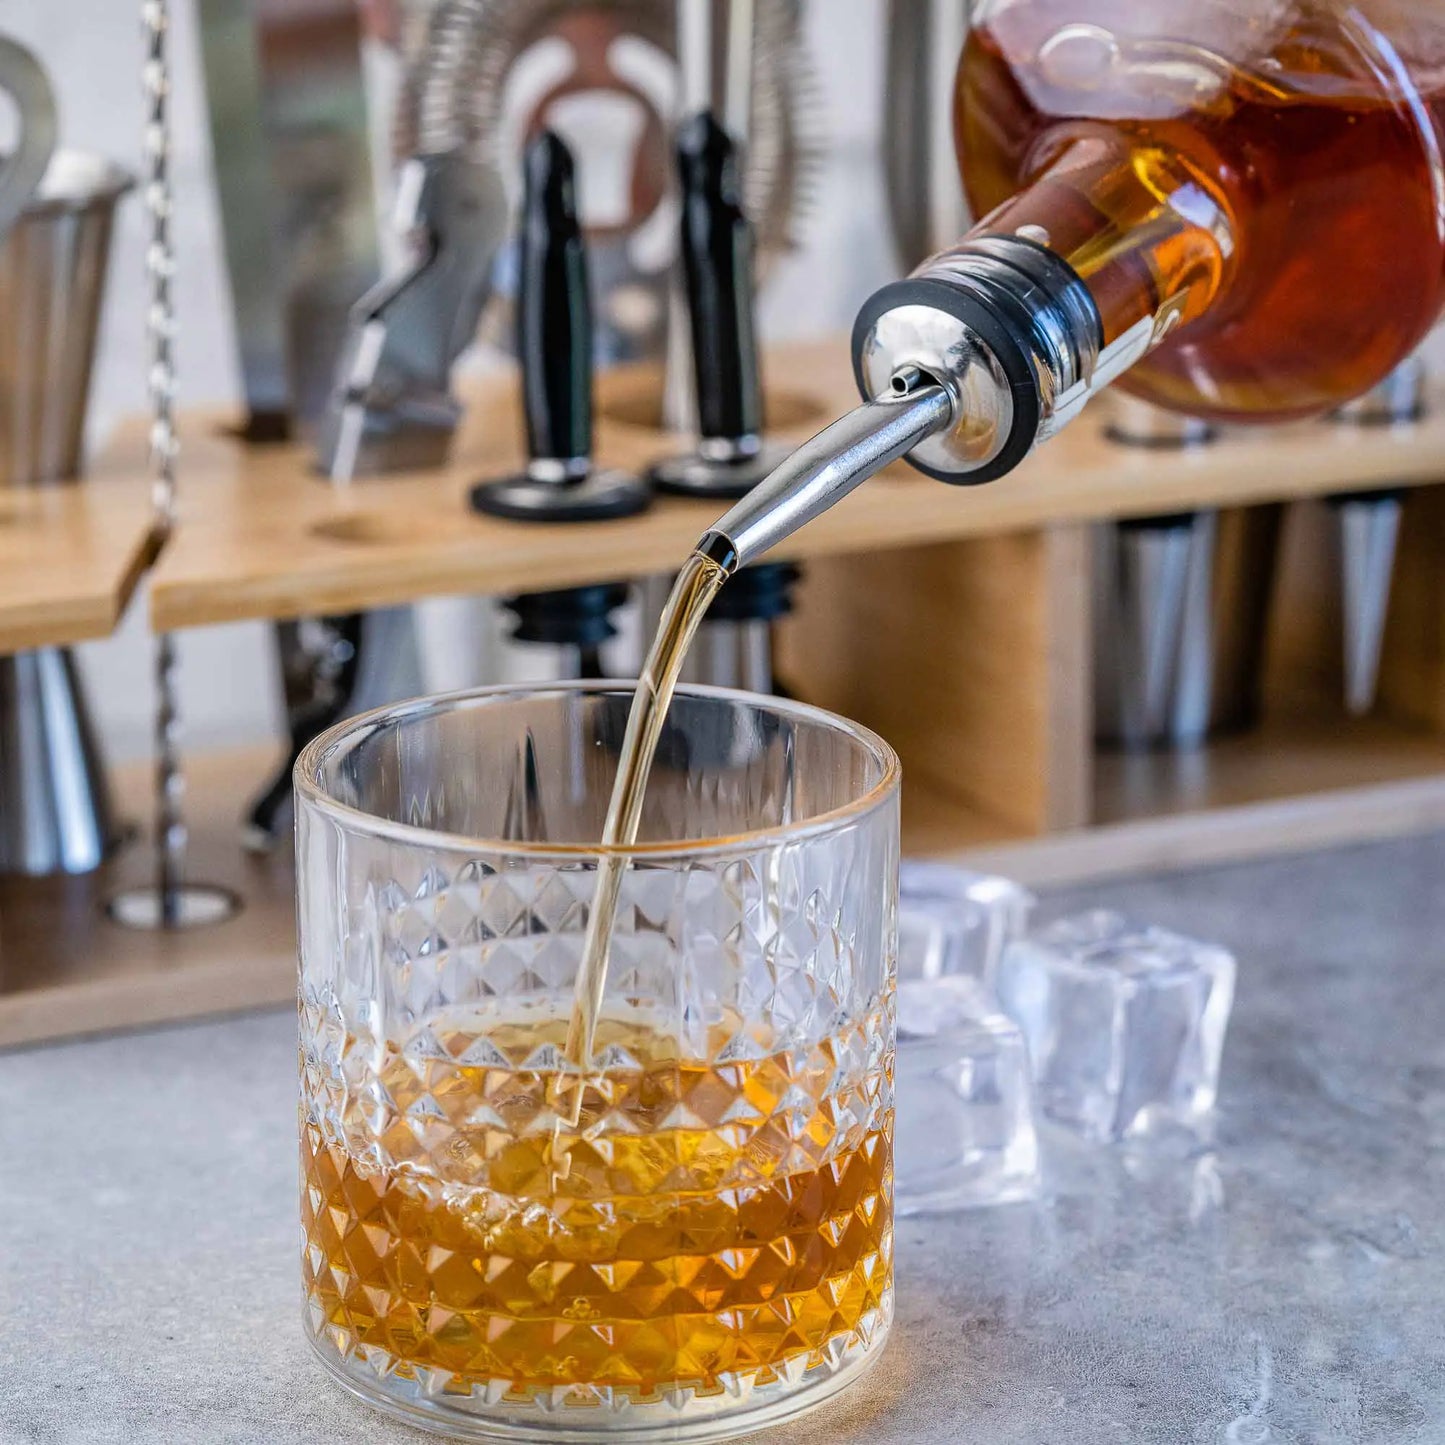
(1009, 327)
(823, 471)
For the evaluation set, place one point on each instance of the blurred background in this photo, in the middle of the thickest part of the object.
(372, 229)
(230, 689)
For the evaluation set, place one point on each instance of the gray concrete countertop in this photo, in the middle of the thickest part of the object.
(1288, 1287)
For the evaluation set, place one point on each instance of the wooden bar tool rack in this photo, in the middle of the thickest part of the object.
(955, 621)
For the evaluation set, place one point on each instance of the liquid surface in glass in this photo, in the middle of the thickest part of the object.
(1271, 172)
(722, 1221)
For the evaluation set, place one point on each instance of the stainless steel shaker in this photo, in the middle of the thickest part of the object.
(926, 203)
(52, 282)
(56, 814)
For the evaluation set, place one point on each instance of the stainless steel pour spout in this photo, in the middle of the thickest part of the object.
(823, 471)
(981, 354)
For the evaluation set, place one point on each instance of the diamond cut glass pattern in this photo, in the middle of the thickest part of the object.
(709, 1249)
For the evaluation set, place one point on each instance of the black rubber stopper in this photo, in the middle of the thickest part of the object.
(569, 617)
(756, 594)
(1003, 326)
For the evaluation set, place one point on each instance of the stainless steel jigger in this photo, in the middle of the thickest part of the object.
(717, 253)
(56, 813)
(554, 344)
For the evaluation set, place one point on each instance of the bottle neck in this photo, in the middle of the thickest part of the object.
(1137, 224)
(1050, 298)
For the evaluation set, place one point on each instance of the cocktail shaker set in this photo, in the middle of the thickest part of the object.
(492, 236)
(492, 95)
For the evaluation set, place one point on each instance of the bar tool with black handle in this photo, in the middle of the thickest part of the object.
(554, 347)
(717, 255)
(734, 646)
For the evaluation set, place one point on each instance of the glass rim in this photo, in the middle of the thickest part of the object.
(318, 751)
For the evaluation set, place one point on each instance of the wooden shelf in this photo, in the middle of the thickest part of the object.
(1162, 844)
(66, 969)
(262, 536)
(938, 826)
(1291, 785)
(71, 555)
(1280, 759)
(960, 628)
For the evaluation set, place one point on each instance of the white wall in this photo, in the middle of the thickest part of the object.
(93, 49)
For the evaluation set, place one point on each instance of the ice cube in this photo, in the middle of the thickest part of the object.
(1124, 1023)
(952, 921)
(964, 1110)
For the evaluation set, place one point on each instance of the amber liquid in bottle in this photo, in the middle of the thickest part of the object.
(1272, 182)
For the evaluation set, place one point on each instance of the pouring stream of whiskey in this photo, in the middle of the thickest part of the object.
(697, 584)
(817, 475)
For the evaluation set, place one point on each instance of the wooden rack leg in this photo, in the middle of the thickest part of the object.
(973, 659)
(1412, 676)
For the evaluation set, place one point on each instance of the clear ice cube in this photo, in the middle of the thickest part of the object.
(1124, 1023)
(964, 1108)
(952, 921)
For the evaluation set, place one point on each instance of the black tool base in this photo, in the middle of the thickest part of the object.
(695, 475)
(598, 497)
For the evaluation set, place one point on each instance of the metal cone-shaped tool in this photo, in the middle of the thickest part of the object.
(1153, 603)
(734, 645)
(1369, 528)
(554, 345)
(1192, 687)
(1228, 564)
(1142, 571)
